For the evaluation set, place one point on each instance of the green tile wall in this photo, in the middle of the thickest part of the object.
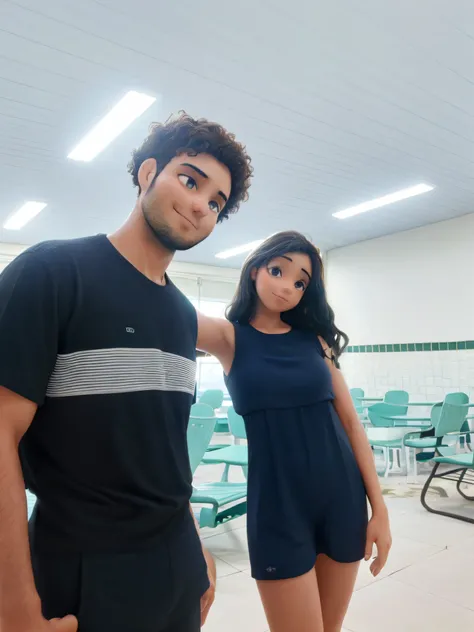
(459, 345)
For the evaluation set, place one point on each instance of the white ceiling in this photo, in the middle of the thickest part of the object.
(338, 102)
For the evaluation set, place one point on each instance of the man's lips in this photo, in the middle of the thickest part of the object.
(186, 218)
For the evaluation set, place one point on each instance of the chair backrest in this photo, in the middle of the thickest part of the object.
(213, 397)
(396, 397)
(236, 424)
(200, 431)
(457, 398)
(202, 410)
(379, 414)
(451, 419)
(357, 395)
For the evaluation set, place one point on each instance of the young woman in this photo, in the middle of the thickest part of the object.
(310, 466)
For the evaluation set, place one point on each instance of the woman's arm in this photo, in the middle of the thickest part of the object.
(216, 336)
(379, 528)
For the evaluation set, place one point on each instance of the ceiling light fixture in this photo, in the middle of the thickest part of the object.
(26, 213)
(238, 250)
(383, 201)
(119, 118)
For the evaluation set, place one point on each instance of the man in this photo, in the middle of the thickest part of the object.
(97, 376)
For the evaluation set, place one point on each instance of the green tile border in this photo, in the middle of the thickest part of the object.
(459, 345)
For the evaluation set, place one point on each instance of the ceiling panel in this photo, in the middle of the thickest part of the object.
(337, 102)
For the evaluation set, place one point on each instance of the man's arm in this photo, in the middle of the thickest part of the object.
(208, 598)
(30, 312)
(20, 606)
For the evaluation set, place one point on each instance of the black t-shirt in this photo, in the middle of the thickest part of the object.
(109, 357)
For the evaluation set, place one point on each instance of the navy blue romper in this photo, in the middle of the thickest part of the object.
(306, 495)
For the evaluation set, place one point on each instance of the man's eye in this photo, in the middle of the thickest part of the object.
(188, 181)
(214, 206)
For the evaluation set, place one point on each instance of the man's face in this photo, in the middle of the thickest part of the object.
(182, 204)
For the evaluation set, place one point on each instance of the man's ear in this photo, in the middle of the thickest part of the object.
(147, 173)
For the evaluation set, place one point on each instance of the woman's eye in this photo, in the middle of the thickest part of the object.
(275, 271)
(188, 181)
(214, 206)
(300, 285)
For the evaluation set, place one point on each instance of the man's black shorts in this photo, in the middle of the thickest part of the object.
(156, 590)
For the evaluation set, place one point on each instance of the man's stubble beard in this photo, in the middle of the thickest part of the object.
(164, 234)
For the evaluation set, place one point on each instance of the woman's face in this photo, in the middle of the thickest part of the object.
(282, 282)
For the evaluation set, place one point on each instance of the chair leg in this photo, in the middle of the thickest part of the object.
(458, 487)
(427, 486)
(399, 457)
(225, 475)
(386, 453)
(407, 459)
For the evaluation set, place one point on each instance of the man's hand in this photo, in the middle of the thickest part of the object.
(208, 598)
(67, 624)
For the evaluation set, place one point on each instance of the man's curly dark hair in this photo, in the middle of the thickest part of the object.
(182, 134)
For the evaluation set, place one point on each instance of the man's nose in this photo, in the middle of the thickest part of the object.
(199, 206)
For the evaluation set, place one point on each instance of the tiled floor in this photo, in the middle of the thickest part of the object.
(427, 585)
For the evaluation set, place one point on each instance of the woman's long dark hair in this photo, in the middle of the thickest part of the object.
(313, 313)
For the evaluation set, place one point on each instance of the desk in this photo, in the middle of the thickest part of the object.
(427, 404)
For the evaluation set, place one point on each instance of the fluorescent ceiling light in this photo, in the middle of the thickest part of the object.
(238, 250)
(119, 118)
(21, 217)
(383, 201)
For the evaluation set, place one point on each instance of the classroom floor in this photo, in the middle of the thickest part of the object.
(428, 583)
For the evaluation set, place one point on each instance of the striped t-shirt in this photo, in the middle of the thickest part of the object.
(109, 357)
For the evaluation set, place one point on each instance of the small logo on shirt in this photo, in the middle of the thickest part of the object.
(271, 569)
(130, 330)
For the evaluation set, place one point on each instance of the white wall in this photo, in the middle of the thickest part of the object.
(196, 281)
(412, 287)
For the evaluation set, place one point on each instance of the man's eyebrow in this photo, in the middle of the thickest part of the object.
(203, 175)
(196, 169)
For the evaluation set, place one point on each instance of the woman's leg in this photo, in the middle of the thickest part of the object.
(336, 584)
(292, 604)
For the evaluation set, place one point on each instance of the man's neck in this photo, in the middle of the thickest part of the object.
(136, 243)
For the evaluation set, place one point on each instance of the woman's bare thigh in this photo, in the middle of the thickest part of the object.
(292, 604)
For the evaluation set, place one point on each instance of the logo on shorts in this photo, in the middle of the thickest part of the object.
(271, 569)
(130, 330)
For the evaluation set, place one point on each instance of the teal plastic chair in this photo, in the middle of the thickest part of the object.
(400, 398)
(461, 398)
(231, 455)
(452, 419)
(427, 439)
(383, 434)
(202, 410)
(222, 501)
(236, 424)
(212, 397)
(215, 398)
(218, 502)
(423, 440)
(357, 395)
(200, 430)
